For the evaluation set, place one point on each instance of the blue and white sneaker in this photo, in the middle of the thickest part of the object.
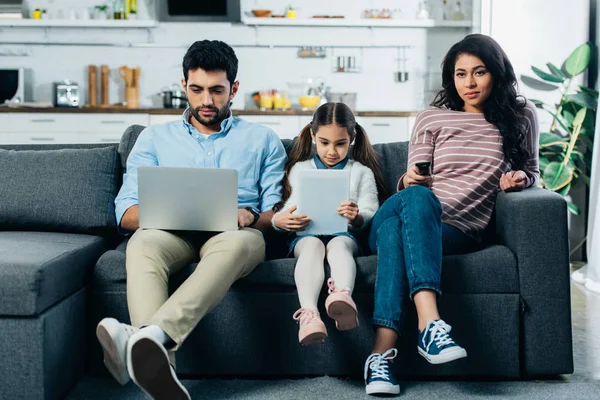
(379, 379)
(436, 345)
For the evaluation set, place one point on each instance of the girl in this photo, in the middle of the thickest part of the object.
(480, 137)
(332, 130)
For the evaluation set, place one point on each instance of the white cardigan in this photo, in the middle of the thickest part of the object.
(363, 189)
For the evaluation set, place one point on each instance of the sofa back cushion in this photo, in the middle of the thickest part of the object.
(392, 156)
(65, 190)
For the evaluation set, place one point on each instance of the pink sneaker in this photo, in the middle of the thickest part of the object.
(341, 307)
(312, 329)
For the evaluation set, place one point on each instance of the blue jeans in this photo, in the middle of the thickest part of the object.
(409, 238)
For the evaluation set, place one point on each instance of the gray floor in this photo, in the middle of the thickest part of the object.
(583, 384)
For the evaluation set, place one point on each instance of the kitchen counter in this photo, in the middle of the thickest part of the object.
(170, 111)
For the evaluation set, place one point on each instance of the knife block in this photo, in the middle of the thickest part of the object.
(132, 96)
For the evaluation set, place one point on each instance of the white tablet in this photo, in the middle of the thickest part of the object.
(320, 194)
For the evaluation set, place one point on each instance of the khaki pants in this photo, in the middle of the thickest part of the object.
(153, 255)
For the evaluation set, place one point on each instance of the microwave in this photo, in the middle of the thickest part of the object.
(15, 85)
(199, 11)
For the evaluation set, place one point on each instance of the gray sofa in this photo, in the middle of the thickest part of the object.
(62, 269)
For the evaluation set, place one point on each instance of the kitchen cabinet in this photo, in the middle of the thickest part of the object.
(286, 126)
(50, 128)
(385, 129)
(157, 119)
(81, 127)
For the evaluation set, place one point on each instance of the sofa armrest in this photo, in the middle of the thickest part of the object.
(533, 224)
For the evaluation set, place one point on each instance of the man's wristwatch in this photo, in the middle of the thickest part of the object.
(255, 215)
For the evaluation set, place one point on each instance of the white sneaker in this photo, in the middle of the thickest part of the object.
(149, 367)
(113, 337)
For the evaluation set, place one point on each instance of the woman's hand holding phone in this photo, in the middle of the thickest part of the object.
(291, 222)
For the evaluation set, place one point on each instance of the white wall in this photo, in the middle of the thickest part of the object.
(260, 67)
(534, 32)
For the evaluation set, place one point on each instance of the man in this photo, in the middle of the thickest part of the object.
(210, 137)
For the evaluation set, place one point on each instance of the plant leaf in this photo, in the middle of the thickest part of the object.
(565, 191)
(579, 60)
(537, 84)
(556, 71)
(579, 117)
(584, 100)
(543, 163)
(573, 208)
(589, 90)
(559, 120)
(568, 116)
(546, 76)
(552, 139)
(556, 176)
(537, 103)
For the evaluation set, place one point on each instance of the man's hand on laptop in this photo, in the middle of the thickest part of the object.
(245, 218)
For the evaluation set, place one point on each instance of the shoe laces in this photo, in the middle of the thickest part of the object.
(306, 315)
(333, 289)
(439, 334)
(130, 330)
(378, 364)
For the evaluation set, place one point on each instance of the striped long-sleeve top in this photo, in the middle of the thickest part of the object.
(467, 161)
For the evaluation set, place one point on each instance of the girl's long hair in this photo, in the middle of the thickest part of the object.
(503, 108)
(363, 152)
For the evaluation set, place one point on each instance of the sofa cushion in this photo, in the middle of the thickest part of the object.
(393, 160)
(67, 190)
(128, 139)
(490, 270)
(38, 269)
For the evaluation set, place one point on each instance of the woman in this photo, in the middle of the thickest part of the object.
(479, 136)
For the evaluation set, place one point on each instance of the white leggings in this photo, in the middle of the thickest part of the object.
(310, 270)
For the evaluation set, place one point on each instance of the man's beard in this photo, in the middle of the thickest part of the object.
(220, 115)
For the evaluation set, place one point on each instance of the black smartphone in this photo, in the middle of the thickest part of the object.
(424, 167)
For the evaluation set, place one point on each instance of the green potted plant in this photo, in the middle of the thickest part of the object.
(566, 148)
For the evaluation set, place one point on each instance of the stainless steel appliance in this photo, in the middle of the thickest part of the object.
(15, 85)
(66, 94)
(174, 97)
(193, 11)
(11, 9)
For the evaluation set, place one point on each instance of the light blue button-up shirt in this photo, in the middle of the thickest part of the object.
(255, 151)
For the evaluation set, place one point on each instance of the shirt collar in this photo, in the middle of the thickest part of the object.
(225, 124)
(320, 165)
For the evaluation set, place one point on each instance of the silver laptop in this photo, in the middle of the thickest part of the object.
(191, 199)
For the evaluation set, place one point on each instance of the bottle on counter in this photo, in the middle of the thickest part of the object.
(132, 10)
(119, 9)
(457, 13)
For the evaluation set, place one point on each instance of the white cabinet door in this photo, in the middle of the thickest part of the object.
(4, 122)
(74, 122)
(99, 137)
(111, 123)
(286, 126)
(157, 119)
(45, 122)
(42, 138)
(385, 129)
(44, 128)
(5, 138)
